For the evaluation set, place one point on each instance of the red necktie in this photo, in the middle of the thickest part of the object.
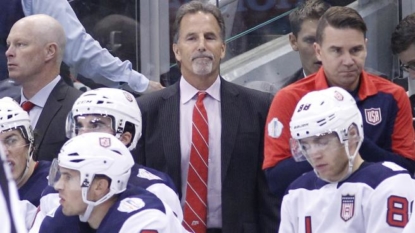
(27, 106)
(195, 208)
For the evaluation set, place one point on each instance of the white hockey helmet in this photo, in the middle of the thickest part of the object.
(119, 105)
(12, 116)
(94, 154)
(324, 112)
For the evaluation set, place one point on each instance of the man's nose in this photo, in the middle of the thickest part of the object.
(314, 152)
(201, 46)
(348, 59)
(57, 185)
(9, 51)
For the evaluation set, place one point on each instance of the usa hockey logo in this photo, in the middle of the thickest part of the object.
(338, 96)
(347, 209)
(373, 116)
(128, 96)
(105, 142)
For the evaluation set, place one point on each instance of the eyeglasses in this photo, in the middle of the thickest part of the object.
(408, 67)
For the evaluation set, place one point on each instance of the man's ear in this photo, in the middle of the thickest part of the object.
(223, 51)
(102, 184)
(317, 50)
(176, 52)
(51, 51)
(353, 138)
(99, 188)
(293, 41)
(353, 132)
(126, 138)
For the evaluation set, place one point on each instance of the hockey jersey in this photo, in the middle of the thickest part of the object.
(158, 183)
(376, 198)
(410, 227)
(37, 182)
(152, 180)
(136, 210)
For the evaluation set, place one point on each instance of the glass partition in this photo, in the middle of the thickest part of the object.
(116, 26)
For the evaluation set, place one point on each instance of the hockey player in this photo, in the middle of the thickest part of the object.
(343, 193)
(12, 220)
(103, 110)
(116, 112)
(91, 175)
(17, 137)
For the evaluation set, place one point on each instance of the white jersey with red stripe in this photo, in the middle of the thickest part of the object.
(410, 227)
(376, 198)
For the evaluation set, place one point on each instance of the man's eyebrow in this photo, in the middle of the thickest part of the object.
(65, 173)
(310, 37)
(190, 34)
(358, 47)
(10, 136)
(335, 47)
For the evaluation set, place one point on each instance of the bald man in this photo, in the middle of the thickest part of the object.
(36, 46)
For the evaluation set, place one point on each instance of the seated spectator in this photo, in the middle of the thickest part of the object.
(343, 193)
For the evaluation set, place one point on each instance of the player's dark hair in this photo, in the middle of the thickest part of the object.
(404, 34)
(309, 10)
(340, 17)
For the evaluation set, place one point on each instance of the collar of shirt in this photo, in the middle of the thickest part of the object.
(366, 88)
(40, 98)
(187, 91)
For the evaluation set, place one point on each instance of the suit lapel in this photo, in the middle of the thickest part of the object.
(230, 121)
(170, 130)
(49, 111)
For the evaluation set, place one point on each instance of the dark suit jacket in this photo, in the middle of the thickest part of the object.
(247, 205)
(50, 128)
(299, 74)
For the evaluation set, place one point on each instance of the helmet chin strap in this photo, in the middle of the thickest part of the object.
(26, 170)
(351, 159)
(84, 217)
